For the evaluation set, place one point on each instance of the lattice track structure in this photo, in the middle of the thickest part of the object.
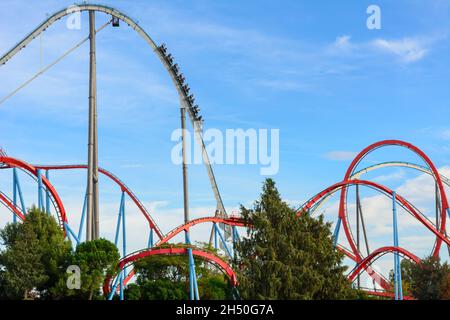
(50, 201)
(353, 178)
(121, 279)
(46, 192)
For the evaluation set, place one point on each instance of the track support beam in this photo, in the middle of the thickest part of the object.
(17, 191)
(397, 265)
(92, 225)
(336, 231)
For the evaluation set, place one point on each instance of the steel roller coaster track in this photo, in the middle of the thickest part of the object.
(187, 101)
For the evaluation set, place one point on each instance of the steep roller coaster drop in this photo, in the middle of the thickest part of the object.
(224, 227)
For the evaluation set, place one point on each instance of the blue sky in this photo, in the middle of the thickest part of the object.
(309, 68)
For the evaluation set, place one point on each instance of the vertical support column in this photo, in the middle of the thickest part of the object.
(119, 219)
(336, 231)
(397, 266)
(18, 191)
(15, 193)
(40, 196)
(222, 239)
(358, 279)
(185, 174)
(193, 288)
(215, 236)
(114, 287)
(124, 233)
(236, 233)
(121, 222)
(150, 238)
(47, 194)
(234, 238)
(83, 217)
(438, 205)
(192, 276)
(92, 183)
(448, 246)
(121, 283)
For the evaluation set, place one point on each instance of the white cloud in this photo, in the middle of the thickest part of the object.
(341, 155)
(284, 85)
(407, 49)
(342, 44)
(445, 134)
(397, 175)
(420, 190)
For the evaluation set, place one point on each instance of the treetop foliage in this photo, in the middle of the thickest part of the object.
(288, 257)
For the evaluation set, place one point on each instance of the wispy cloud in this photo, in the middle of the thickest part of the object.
(341, 155)
(445, 134)
(407, 49)
(342, 44)
(397, 175)
(285, 85)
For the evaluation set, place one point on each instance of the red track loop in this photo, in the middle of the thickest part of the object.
(357, 258)
(231, 221)
(437, 177)
(381, 251)
(225, 267)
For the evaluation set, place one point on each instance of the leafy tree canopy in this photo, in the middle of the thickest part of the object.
(429, 280)
(288, 257)
(34, 257)
(97, 259)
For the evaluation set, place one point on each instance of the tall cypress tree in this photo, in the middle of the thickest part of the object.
(288, 257)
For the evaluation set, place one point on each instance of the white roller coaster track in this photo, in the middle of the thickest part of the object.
(358, 174)
(135, 26)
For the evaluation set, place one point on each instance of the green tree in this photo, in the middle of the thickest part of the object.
(428, 280)
(97, 259)
(288, 257)
(34, 257)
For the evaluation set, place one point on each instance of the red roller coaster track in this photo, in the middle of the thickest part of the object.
(402, 201)
(11, 207)
(15, 163)
(376, 253)
(212, 258)
(362, 264)
(119, 182)
(231, 221)
(436, 175)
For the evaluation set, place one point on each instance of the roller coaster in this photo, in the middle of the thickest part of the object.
(224, 228)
